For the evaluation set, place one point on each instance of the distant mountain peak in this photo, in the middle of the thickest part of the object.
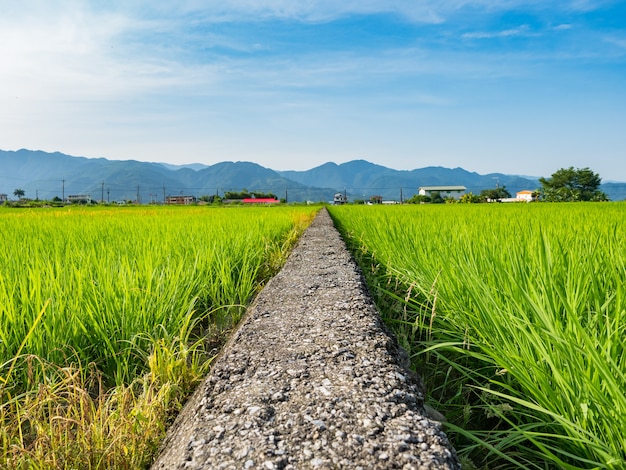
(191, 166)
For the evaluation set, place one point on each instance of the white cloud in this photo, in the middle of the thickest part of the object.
(73, 54)
(522, 30)
(419, 11)
(45, 55)
(618, 41)
(589, 5)
(305, 10)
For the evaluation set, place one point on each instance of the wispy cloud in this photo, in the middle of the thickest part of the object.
(46, 55)
(523, 30)
(617, 41)
(425, 11)
(309, 10)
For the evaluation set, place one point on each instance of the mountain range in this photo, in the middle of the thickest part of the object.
(47, 175)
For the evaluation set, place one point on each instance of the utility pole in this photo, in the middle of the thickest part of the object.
(108, 195)
(63, 192)
(286, 199)
(400, 195)
(102, 193)
(163, 194)
(138, 201)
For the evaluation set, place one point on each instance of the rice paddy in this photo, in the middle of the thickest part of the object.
(516, 317)
(110, 316)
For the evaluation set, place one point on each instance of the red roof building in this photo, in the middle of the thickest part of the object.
(260, 200)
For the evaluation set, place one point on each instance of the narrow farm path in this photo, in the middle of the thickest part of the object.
(311, 379)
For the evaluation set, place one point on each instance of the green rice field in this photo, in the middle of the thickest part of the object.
(110, 316)
(515, 315)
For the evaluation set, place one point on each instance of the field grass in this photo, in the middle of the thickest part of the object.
(110, 316)
(516, 317)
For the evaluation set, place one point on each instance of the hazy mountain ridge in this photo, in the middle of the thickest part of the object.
(363, 179)
(191, 166)
(46, 175)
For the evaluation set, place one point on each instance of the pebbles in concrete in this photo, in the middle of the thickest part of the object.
(311, 379)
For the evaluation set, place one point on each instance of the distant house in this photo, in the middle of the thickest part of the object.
(180, 200)
(525, 195)
(339, 199)
(259, 200)
(78, 199)
(4, 198)
(454, 192)
(376, 200)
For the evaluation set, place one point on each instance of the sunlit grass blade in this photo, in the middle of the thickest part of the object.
(518, 308)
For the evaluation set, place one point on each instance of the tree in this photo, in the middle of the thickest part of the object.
(435, 198)
(245, 194)
(570, 184)
(495, 194)
(417, 199)
(19, 193)
(209, 199)
(470, 198)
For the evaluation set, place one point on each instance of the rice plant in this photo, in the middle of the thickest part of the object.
(110, 316)
(516, 316)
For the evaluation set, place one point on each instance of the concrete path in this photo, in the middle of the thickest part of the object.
(311, 379)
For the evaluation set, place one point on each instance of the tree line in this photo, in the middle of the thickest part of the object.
(569, 184)
(565, 185)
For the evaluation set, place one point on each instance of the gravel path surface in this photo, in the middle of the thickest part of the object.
(311, 379)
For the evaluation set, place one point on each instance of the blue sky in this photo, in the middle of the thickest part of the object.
(511, 86)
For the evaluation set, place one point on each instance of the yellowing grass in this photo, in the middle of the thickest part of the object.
(135, 298)
(517, 315)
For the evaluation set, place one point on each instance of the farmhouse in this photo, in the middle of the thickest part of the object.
(339, 199)
(180, 200)
(3, 198)
(445, 192)
(525, 195)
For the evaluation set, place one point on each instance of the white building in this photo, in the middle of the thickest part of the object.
(454, 192)
(525, 195)
(340, 198)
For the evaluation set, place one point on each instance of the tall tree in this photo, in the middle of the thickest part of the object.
(19, 193)
(570, 184)
(495, 194)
